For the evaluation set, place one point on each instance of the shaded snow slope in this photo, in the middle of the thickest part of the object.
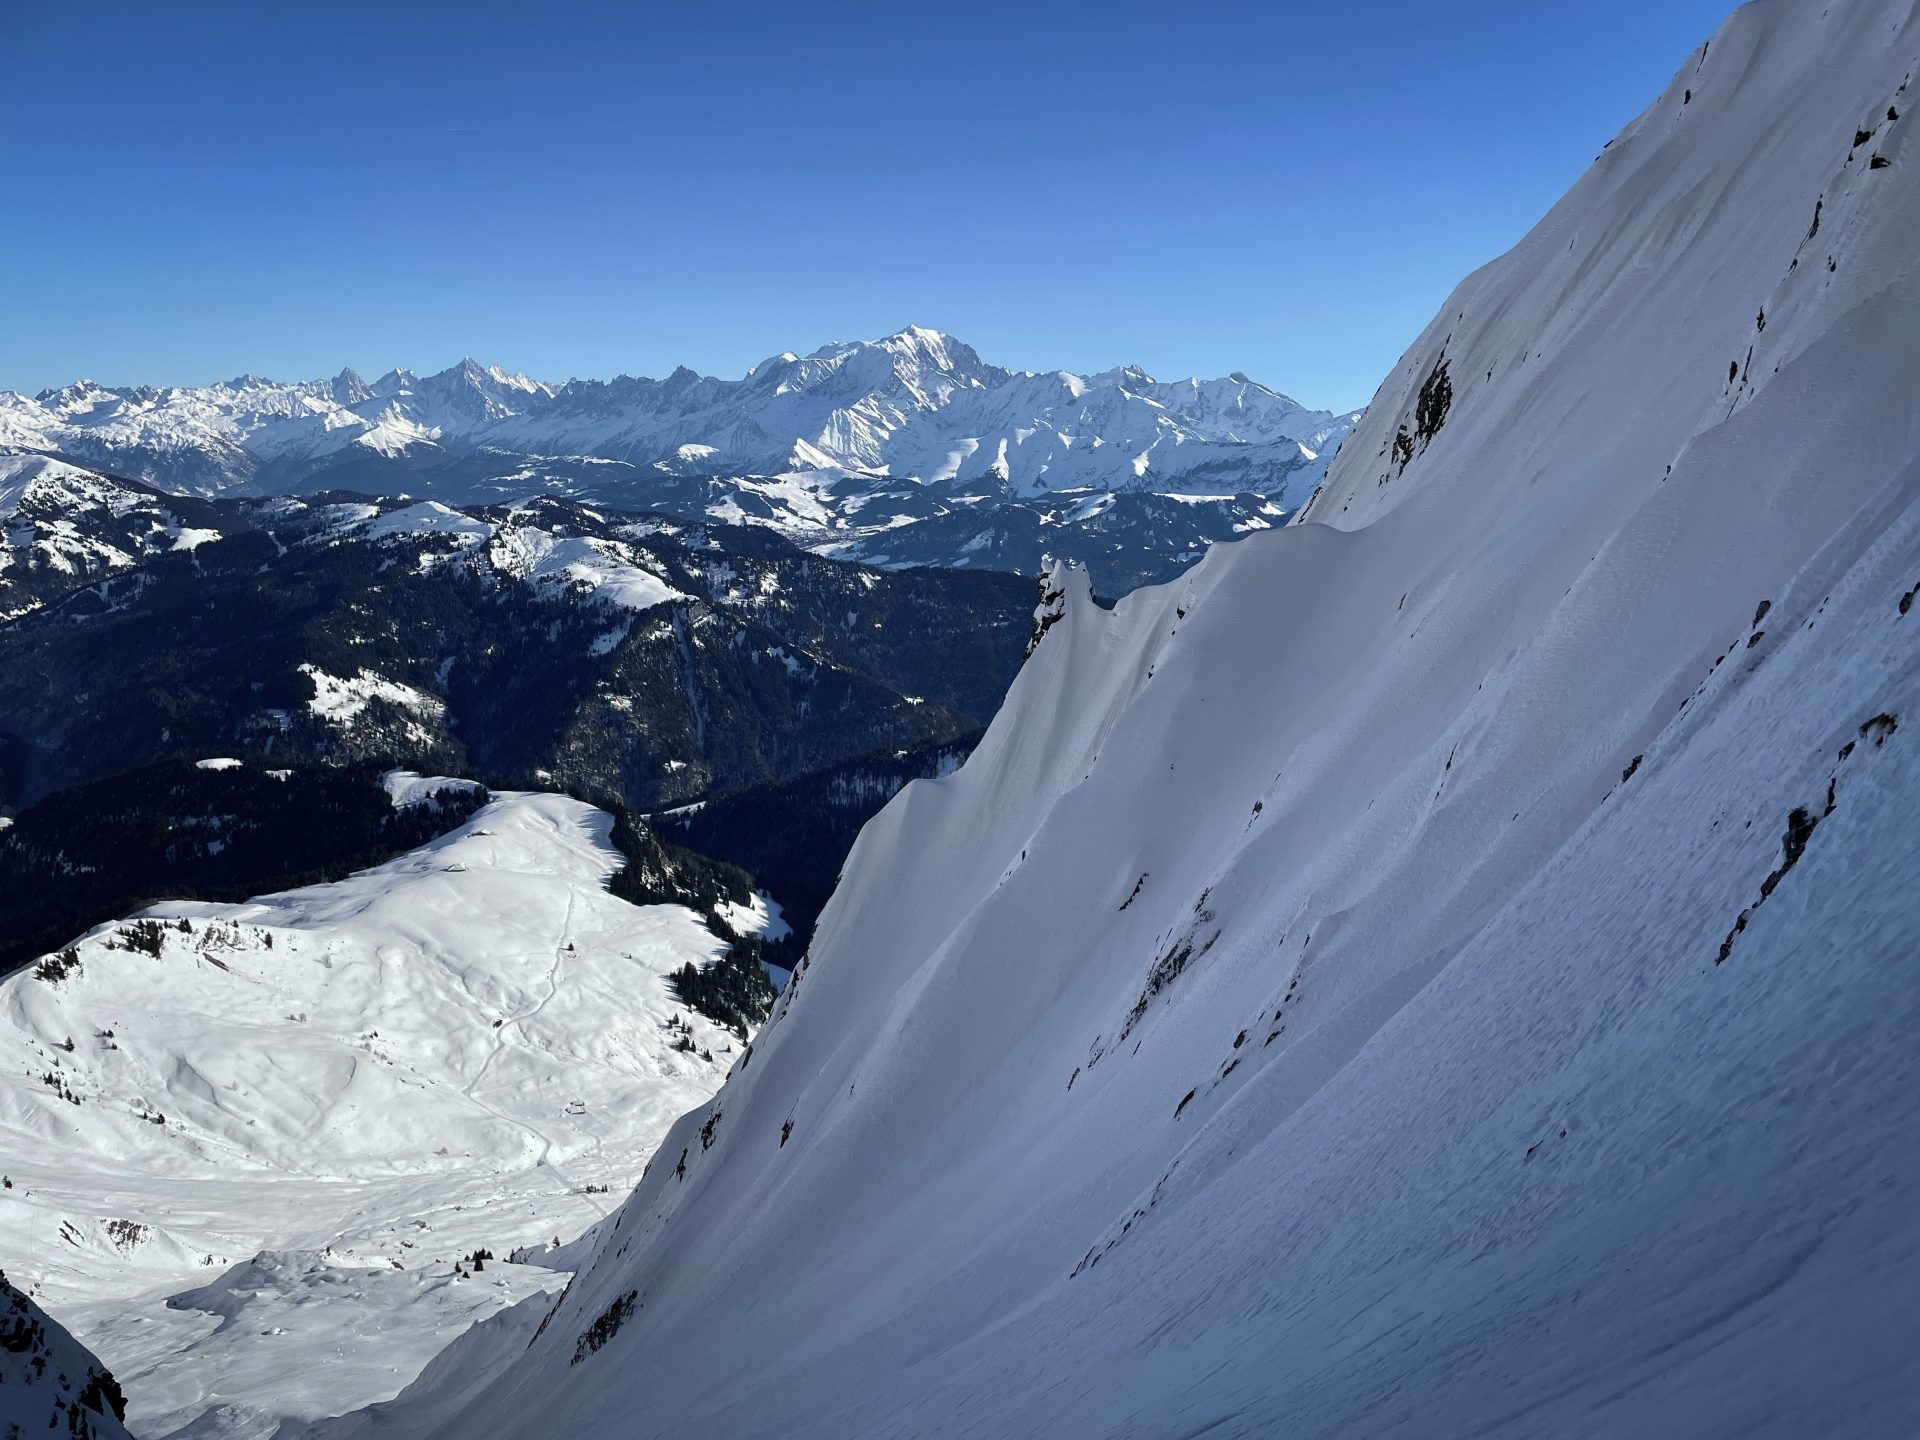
(1484, 1005)
(49, 1383)
(469, 1047)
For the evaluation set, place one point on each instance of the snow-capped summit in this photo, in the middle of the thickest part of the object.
(349, 389)
(1444, 967)
(80, 396)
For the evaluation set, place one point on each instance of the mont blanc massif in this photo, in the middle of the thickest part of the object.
(896, 897)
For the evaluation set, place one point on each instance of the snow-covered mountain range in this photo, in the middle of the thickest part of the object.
(1445, 968)
(839, 446)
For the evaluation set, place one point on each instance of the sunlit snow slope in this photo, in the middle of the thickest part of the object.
(467, 1048)
(1483, 1007)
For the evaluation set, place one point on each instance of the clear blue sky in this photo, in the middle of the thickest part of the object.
(1284, 187)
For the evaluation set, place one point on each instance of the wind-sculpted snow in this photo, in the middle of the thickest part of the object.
(469, 1049)
(1445, 970)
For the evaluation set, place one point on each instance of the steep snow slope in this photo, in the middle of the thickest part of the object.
(465, 1048)
(48, 1381)
(1484, 1006)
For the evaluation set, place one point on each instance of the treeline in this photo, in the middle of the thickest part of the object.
(794, 836)
(734, 990)
(172, 831)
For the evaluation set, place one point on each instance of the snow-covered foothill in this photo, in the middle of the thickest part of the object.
(62, 526)
(607, 569)
(472, 1047)
(407, 788)
(518, 548)
(342, 699)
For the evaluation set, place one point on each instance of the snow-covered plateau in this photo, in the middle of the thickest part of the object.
(1446, 967)
(471, 1048)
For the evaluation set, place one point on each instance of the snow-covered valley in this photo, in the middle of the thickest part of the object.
(472, 1048)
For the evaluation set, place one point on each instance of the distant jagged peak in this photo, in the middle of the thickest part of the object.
(472, 374)
(473, 370)
(80, 395)
(917, 357)
(348, 388)
(916, 402)
(395, 381)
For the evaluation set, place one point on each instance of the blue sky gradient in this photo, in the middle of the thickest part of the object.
(1288, 189)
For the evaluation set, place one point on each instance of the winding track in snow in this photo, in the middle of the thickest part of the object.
(541, 1161)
